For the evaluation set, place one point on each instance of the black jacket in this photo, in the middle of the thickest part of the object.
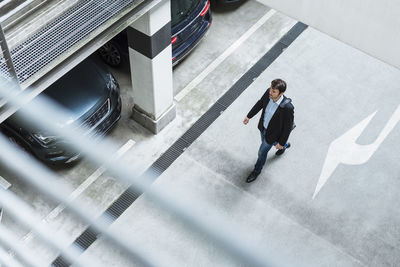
(281, 123)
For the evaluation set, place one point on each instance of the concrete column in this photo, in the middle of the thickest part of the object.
(150, 57)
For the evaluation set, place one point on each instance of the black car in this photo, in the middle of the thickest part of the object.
(190, 20)
(90, 94)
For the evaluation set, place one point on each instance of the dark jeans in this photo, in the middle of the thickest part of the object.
(263, 152)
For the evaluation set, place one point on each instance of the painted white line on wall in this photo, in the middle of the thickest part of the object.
(223, 56)
(82, 187)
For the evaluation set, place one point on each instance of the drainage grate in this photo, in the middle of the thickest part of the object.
(293, 33)
(86, 238)
(122, 203)
(202, 124)
(60, 262)
(237, 88)
(83, 241)
(165, 160)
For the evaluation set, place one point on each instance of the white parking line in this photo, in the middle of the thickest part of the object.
(223, 56)
(82, 187)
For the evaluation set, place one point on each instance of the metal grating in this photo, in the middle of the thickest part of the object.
(180, 145)
(237, 88)
(62, 33)
(60, 262)
(4, 70)
(6, 66)
(122, 203)
(202, 124)
(293, 33)
(86, 238)
(165, 160)
(84, 241)
(270, 57)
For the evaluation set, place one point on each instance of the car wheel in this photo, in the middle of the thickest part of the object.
(111, 54)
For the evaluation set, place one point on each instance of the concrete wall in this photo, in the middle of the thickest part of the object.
(369, 25)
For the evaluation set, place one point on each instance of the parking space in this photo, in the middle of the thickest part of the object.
(218, 41)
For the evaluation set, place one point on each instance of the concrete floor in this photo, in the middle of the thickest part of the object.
(353, 220)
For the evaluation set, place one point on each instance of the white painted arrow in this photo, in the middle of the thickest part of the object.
(345, 150)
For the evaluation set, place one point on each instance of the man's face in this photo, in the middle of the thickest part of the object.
(274, 94)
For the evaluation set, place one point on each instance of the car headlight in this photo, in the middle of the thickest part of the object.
(112, 84)
(44, 138)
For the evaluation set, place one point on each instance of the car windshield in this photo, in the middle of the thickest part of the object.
(180, 9)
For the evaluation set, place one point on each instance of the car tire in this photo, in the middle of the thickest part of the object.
(110, 53)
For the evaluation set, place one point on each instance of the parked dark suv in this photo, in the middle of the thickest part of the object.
(91, 95)
(190, 20)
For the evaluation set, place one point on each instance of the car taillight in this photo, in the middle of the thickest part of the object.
(206, 8)
(173, 40)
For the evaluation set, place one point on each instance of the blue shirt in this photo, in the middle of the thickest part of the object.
(270, 110)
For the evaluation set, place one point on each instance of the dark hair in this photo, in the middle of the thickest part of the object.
(279, 84)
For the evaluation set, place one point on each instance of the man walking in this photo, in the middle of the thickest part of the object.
(275, 124)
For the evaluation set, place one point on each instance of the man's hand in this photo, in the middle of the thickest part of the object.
(246, 120)
(278, 146)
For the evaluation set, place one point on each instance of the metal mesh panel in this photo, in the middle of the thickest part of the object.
(62, 33)
(4, 69)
